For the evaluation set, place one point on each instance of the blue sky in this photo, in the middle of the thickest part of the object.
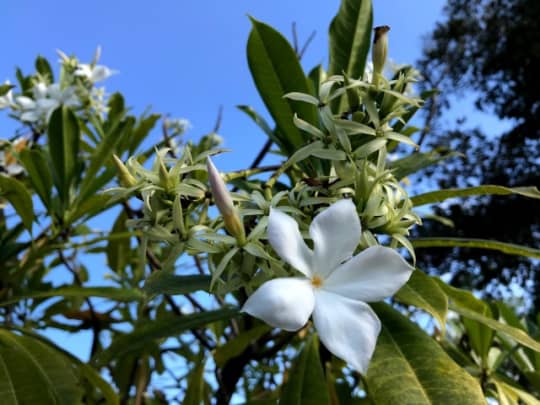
(187, 58)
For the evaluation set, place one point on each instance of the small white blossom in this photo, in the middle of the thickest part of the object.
(6, 100)
(335, 287)
(46, 99)
(94, 73)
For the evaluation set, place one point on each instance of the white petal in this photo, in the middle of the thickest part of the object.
(348, 328)
(373, 275)
(285, 238)
(30, 116)
(40, 90)
(335, 233)
(55, 92)
(83, 70)
(100, 73)
(46, 104)
(26, 103)
(284, 303)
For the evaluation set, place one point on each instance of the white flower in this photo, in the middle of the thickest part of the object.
(335, 288)
(7, 99)
(46, 99)
(94, 73)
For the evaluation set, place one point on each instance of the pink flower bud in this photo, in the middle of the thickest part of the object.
(224, 202)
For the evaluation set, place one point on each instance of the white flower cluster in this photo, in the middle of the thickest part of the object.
(76, 89)
(46, 98)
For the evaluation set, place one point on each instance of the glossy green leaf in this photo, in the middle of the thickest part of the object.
(350, 39)
(237, 345)
(317, 75)
(5, 88)
(195, 385)
(39, 173)
(119, 249)
(163, 282)
(276, 71)
(514, 333)
(409, 367)
(44, 68)
(511, 394)
(508, 248)
(423, 292)
(103, 153)
(33, 373)
(306, 383)
(147, 332)
(468, 306)
(113, 293)
(441, 195)
(17, 194)
(85, 371)
(64, 141)
(480, 336)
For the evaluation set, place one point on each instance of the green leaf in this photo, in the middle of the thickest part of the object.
(423, 292)
(90, 374)
(33, 373)
(64, 140)
(468, 306)
(195, 385)
(409, 367)
(417, 161)
(276, 71)
(237, 345)
(480, 336)
(306, 383)
(147, 332)
(119, 249)
(39, 173)
(44, 68)
(17, 194)
(441, 195)
(503, 247)
(113, 293)
(102, 153)
(514, 333)
(4, 88)
(350, 39)
(317, 75)
(163, 282)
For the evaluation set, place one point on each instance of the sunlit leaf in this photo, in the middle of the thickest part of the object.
(442, 195)
(17, 194)
(409, 367)
(508, 248)
(306, 383)
(423, 292)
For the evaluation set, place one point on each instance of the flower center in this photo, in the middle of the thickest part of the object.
(316, 281)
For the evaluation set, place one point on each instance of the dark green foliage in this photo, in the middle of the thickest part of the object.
(492, 48)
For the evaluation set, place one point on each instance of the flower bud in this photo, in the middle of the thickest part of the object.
(125, 177)
(379, 51)
(224, 203)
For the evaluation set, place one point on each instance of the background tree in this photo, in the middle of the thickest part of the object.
(492, 49)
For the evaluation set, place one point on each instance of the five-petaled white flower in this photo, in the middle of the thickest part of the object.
(94, 73)
(335, 288)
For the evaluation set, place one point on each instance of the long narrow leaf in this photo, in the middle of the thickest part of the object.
(441, 195)
(508, 248)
